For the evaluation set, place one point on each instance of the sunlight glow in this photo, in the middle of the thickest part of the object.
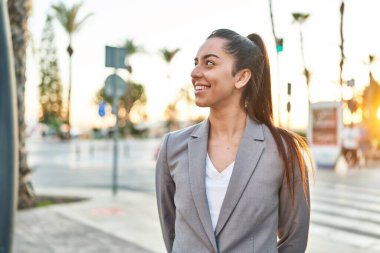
(378, 113)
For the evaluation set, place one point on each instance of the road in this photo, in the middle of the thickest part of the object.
(88, 163)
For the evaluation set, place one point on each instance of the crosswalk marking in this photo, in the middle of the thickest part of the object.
(347, 214)
(353, 188)
(342, 236)
(357, 193)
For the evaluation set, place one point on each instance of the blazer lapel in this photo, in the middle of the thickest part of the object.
(250, 150)
(197, 166)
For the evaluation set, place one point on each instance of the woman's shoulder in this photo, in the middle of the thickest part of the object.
(186, 132)
(277, 134)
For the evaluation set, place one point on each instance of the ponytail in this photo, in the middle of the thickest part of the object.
(291, 146)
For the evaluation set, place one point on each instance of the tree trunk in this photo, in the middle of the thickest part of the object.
(18, 14)
(70, 51)
(278, 65)
(342, 57)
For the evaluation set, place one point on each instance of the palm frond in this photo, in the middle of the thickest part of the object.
(299, 17)
(78, 25)
(168, 54)
(67, 16)
(132, 47)
(62, 14)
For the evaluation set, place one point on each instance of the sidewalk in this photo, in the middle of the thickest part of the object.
(125, 223)
(129, 223)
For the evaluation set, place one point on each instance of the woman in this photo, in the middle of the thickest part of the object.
(234, 182)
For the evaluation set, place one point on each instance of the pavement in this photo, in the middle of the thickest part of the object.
(127, 222)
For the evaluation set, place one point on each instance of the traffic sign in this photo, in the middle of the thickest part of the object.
(102, 109)
(115, 57)
(115, 86)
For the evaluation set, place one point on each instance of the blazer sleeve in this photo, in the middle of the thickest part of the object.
(165, 189)
(294, 217)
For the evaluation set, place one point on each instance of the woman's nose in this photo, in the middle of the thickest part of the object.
(196, 73)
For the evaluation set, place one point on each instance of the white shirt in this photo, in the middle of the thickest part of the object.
(216, 187)
(351, 137)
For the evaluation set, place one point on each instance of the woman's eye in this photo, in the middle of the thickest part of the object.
(209, 63)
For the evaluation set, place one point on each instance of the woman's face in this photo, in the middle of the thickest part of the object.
(212, 77)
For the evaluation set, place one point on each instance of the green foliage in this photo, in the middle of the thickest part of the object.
(135, 95)
(50, 87)
(168, 55)
(67, 17)
(171, 111)
(44, 203)
(132, 47)
(299, 17)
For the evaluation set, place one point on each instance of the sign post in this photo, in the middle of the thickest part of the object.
(115, 87)
(8, 135)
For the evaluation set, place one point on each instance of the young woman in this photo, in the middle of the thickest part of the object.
(234, 182)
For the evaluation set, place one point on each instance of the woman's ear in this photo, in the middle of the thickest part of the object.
(242, 78)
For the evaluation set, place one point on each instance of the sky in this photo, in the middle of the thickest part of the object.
(186, 24)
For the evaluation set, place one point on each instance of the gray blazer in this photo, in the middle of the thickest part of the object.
(257, 207)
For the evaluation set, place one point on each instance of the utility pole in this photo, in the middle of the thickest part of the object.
(288, 105)
(279, 48)
(8, 134)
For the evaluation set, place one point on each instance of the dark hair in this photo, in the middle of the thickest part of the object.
(250, 52)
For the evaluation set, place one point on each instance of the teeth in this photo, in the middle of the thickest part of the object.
(200, 87)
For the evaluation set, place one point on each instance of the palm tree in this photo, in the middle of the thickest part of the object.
(19, 11)
(132, 49)
(342, 57)
(171, 109)
(68, 18)
(278, 63)
(135, 91)
(371, 60)
(300, 19)
(184, 95)
(168, 55)
(50, 87)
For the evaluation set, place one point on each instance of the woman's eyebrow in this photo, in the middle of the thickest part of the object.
(207, 56)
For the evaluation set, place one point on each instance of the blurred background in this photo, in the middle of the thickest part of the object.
(151, 29)
(320, 51)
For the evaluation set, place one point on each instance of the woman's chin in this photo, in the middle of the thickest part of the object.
(201, 104)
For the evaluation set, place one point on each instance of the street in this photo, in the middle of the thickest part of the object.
(88, 163)
(344, 208)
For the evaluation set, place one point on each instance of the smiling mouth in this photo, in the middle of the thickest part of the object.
(201, 88)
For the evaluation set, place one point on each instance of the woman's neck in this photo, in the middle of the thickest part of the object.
(227, 123)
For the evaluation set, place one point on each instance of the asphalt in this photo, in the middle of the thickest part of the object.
(128, 222)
